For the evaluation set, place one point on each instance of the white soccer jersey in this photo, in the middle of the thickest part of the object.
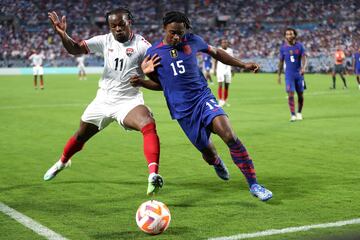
(223, 68)
(37, 59)
(121, 61)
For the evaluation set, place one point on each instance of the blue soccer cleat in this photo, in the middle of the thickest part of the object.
(260, 192)
(155, 183)
(222, 171)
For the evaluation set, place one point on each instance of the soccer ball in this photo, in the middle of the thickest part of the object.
(153, 217)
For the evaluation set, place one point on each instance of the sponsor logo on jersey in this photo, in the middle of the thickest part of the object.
(129, 51)
(297, 51)
(173, 53)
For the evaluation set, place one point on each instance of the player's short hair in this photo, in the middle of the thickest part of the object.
(290, 29)
(119, 10)
(177, 17)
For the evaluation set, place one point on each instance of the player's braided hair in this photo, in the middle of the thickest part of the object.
(119, 10)
(177, 17)
(290, 29)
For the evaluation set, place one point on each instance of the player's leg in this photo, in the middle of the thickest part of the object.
(194, 126)
(227, 82)
(221, 126)
(343, 78)
(358, 80)
(35, 82)
(72, 146)
(333, 74)
(140, 119)
(211, 156)
(290, 89)
(300, 86)
(41, 82)
(220, 79)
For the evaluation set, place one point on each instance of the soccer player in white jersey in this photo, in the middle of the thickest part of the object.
(116, 99)
(223, 74)
(81, 66)
(38, 70)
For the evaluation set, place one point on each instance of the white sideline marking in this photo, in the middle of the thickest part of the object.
(288, 230)
(30, 223)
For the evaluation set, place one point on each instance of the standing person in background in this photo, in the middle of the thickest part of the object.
(356, 66)
(38, 70)
(207, 65)
(223, 74)
(81, 66)
(293, 54)
(339, 68)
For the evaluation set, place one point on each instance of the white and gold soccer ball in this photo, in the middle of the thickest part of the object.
(153, 217)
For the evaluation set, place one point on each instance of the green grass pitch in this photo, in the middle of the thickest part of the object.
(312, 166)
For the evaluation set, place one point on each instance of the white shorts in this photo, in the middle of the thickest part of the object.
(104, 109)
(81, 68)
(223, 77)
(38, 70)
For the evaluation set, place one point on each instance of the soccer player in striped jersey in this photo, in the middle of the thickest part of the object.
(293, 54)
(356, 66)
(116, 99)
(171, 66)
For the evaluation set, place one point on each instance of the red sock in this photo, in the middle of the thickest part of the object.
(220, 92)
(71, 147)
(151, 147)
(226, 93)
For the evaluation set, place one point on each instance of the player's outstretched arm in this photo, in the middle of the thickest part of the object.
(137, 81)
(60, 27)
(227, 59)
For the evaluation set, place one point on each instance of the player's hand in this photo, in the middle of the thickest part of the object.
(279, 80)
(302, 71)
(149, 64)
(59, 26)
(136, 81)
(252, 67)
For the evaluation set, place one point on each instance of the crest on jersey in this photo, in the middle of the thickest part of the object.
(129, 51)
(291, 52)
(173, 53)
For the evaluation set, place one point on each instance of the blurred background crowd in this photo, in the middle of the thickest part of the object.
(254, 28)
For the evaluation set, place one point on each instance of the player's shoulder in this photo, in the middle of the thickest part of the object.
(191, 37)
(141, 40)
(156, 45)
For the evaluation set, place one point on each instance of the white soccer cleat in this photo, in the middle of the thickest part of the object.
(260, 192)
(299, 117)
(292, 118)
(55, 169)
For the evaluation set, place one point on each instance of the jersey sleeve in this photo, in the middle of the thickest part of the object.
(202, 46)
(95, 44)
(143, 45)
